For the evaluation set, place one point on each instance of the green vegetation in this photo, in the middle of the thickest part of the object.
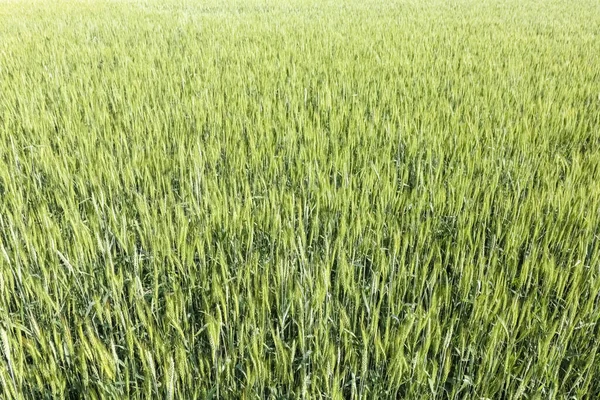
(315, 199)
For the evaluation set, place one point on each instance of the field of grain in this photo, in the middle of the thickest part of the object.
(300, 199)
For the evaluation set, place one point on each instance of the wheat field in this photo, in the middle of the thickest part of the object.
(276, 199)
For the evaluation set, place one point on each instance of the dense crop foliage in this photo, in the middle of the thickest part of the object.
(299, 200)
